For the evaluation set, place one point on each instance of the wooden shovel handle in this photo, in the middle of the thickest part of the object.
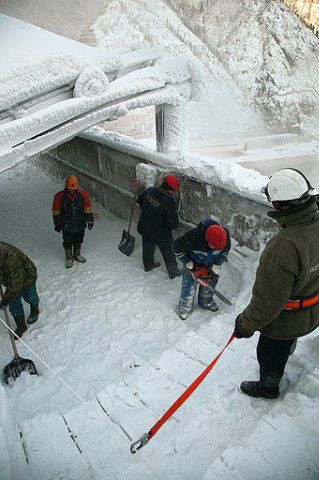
(7, 319)
(133, 207)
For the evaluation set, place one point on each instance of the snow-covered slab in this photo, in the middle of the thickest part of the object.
(283, 445)
(177, 366)
(78, 470)
(102, 440)
(12, 457)
(153, 388)
(49, 446)
(197, 348)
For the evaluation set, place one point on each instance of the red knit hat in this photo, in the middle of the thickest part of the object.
(216, 237)
(172, 182)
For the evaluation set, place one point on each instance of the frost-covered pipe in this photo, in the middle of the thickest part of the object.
(174, 127)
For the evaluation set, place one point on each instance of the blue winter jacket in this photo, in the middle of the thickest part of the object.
(193, 246)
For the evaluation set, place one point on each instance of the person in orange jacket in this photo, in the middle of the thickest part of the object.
(72, 212)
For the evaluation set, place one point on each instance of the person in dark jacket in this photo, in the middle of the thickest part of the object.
(157, 220)
(18, 274)
(72, 212)
(202, 250)
(285, 296)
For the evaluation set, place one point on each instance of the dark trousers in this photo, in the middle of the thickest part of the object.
(72, 239)
(166, 251)
(273, 355)
(29, 294)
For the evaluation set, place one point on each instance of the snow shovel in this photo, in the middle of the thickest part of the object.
(127, 242)
(18, 364)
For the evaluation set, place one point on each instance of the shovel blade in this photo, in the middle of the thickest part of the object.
(14, 369)
(127, 243)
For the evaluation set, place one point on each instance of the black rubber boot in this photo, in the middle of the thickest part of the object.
(155, 265)
(77, 255)
(34, 314)
(21, 326)
(175, 273)
(68, 258)
(267, 388)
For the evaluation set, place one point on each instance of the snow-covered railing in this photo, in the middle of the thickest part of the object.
(172, 82)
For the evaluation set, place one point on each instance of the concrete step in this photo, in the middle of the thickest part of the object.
(48, 446)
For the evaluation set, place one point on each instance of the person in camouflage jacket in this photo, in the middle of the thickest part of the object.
(18, 275)
(285, 297)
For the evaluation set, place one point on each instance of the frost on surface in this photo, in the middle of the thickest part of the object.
(176, 127)
(172, 81)
(92, 82)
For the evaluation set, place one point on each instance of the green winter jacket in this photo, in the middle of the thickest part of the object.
(16, 270)
(288, 269)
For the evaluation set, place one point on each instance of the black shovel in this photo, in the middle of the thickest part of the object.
(18, 364)
(127, 242)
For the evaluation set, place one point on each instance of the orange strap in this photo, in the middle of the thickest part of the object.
(136, 446)
(182, 398)
(302, 303)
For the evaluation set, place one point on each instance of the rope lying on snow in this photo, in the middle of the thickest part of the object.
(80, 398)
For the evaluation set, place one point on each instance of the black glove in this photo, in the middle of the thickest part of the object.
(58, 228)
(90, 225)
(239, 331)
(3, 303)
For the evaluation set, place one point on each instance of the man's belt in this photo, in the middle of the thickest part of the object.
(302, 303)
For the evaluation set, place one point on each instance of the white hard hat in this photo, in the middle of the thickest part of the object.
(289, 184)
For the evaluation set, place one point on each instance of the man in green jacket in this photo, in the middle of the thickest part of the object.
(285, 296)
(18, 274)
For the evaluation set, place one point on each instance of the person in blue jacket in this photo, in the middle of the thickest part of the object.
(202, 250)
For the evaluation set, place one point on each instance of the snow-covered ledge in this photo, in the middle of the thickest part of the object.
(106, 164)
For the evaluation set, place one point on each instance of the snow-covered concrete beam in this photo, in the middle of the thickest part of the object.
(172, 83)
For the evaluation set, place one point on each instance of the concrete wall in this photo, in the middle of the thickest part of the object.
(110, 176)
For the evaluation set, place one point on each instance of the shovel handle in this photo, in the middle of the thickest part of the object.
(133, 207)
(7, 319)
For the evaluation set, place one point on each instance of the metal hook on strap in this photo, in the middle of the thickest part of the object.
(136, 446)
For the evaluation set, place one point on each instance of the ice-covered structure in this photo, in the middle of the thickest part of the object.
(52, 88)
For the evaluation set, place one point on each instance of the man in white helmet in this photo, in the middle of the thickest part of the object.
(285, 297)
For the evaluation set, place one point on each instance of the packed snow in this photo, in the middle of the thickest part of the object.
(110, 331)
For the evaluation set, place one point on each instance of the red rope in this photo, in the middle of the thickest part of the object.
(187, 393)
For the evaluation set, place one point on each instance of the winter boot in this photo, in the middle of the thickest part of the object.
(213, 307)
(175, 273)
(155, 265)
(183, 316)
(77, 255)
(21, 326)
(69, 258)
(34, 314)
(268, 388)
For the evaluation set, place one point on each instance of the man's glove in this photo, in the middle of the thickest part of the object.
(239, 331)
(90, 225)
(190, 265)
(216, 269)
(3, 303)
(58, 228)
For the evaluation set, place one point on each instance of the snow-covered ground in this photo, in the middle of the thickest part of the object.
(111, 332)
